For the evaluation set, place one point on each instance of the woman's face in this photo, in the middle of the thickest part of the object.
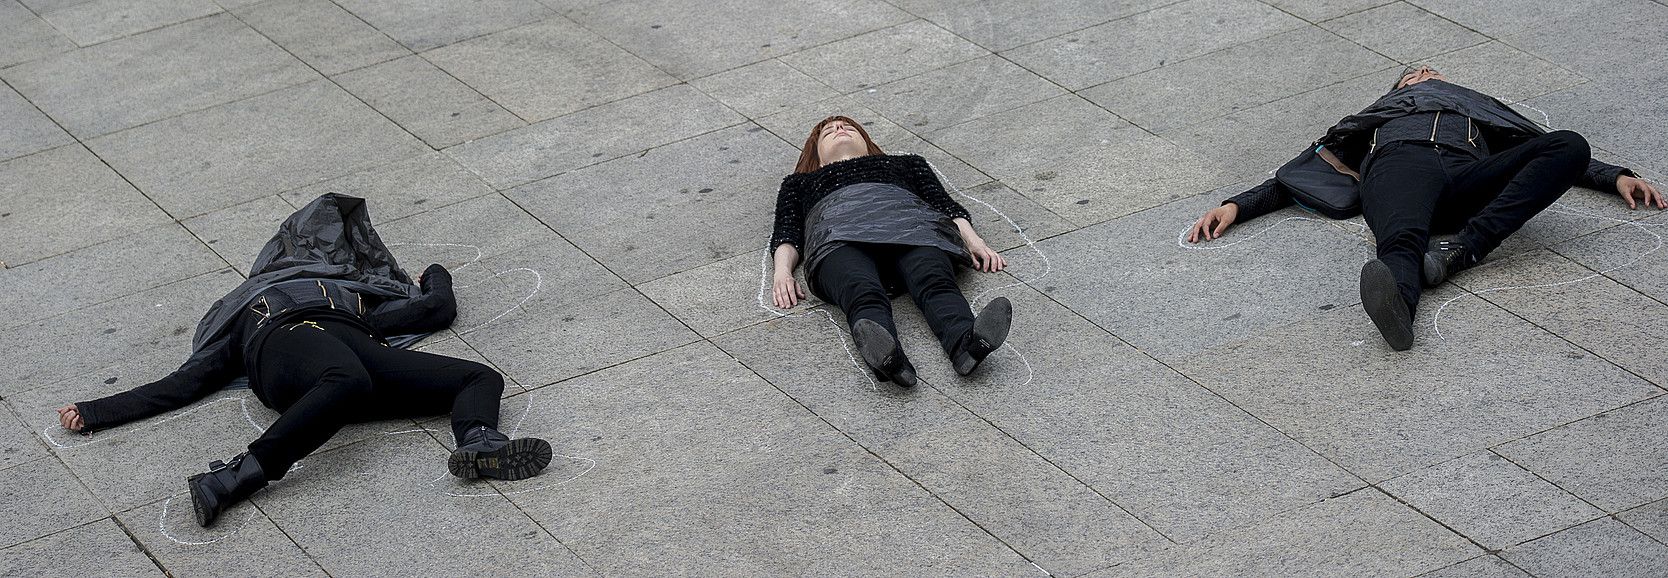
(1422, 74)
(839, 140)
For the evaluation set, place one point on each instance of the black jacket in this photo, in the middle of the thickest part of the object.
(1351, 139)
(801, 191)
(325, 262)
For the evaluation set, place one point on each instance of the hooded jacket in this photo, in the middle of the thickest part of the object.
(326, 261)
(1352, 143)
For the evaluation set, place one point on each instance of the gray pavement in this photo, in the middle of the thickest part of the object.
(601, 176)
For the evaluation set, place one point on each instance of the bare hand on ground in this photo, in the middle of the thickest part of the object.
(786, 292)
(984, 258)
(1631, 187)
(1213, 223)
(70, 418)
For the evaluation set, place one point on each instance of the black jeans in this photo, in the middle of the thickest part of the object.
(855, 278)
(328, 374)
(1412, 188)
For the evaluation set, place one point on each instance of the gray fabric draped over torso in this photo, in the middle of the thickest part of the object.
(877, 213)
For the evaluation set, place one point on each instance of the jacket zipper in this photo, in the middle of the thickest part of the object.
(1434, 124)
(326, 295)
(1470, 136)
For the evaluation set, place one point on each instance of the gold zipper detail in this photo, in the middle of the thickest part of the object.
(326, 294)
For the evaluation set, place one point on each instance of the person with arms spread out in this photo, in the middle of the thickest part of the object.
(311, 329)
(1432, 156)
(870, 223)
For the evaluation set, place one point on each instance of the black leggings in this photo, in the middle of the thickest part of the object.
(328, 374)
(1412, 188)
(855, 276)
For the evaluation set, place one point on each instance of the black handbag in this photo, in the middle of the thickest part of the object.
(1321, 183)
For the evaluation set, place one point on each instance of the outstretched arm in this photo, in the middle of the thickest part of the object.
(1605, 177)
(431, 310)
(1258, 201)
(205, 372)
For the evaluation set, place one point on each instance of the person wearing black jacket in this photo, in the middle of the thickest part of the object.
(1435, 156)
(869, 222)
(310, 329)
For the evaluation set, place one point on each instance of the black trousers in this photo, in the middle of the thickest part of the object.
(1412, 188)
(855, 278)
(328, 374)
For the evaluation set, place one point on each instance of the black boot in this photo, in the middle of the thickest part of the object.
(1385, 306)
(486, 453)
(1445, 258)
(223, 485)
(880, 350)
(990, 330)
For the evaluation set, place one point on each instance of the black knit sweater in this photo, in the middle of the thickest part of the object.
(801, 191)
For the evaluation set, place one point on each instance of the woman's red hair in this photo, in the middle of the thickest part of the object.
(808, 159)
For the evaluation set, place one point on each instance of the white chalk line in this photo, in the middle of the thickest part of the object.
(1436, 320)
(162, 525)
(861, 367)
(537, 286)
(1181, 239)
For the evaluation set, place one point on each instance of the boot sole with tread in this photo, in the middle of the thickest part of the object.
(991, 327)
(875, 345)
(199, 505)
(519, 459)
(1384, 305)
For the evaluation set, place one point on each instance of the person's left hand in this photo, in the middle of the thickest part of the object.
(1631, 187)
(984, 258)
(70, 418)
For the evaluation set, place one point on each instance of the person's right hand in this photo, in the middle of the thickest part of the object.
(786, 291)
(1213, 223)
(70, 418)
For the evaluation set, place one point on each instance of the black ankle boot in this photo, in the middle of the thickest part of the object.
(486, 453)
(880, 350)
(223, 485)
(1385, 306)
(1444, 259)
(990, 330)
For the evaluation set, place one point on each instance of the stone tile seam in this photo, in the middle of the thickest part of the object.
(610, 41)
(80, 306)
(1498, 449)
(1486, 549)
(112, 517)
(1433, 519)
(1469, 560)
(332, 81)
(860, 445)
(1416, 7)
(79, 46)
(8, 85)
(140, 545)
(1483, 295)
(894, 4)
(637, 153)
(1317, 22)
(287, 536)
(1618, 518)
(1602, 512)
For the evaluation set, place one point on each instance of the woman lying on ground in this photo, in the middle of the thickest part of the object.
(869, 223)
(310, 329)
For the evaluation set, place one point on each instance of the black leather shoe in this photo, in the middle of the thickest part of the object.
(1385, 306)
(223, 485)
(487, 453)
(1445, 258)
(990, 331)
(880, 350)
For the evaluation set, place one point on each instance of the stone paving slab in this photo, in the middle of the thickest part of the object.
(244, 542)
(1332, 383)
(1603, 547)
(107, 333)
(764, 87)
(89, 23)
(1490, 500)
(428, 102)
(24, 130)
(18, 443)
(160, 74)
(548, 69)
(99, 548)
(1480, 567)
(355, 518)
(1504, 72)
(321, 34)
(402, 188)
(1363, 533)
(24, 36)
(1652, 519)
(424, 24)
(1141, 434)
(917, 46)
(592, 136)
(1428, 35)
(102, 272)
(1004, 24)
(1593, 312)
(1318, 10)
(64, 199)
(958, 93)
(1254, 141)
(255, 147)
(40, 498)
(761, 485)
(1150, 40)
(1585, 41)
(694, 40)
(683, 186)
(1223, 82)
(1048, 515)
(1627, 473)
(239, 232)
